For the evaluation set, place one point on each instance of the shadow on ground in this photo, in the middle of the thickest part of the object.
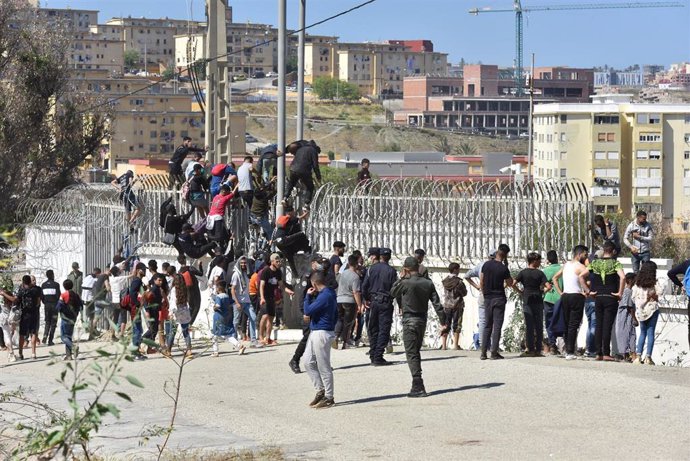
(399, 362)
(430, 394)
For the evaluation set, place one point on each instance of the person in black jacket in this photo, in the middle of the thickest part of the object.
(673, 274)
(175, 173)
(51, 295)
(305, 161)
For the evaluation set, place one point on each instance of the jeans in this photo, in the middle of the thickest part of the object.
(548, 315)
(380, 322)
(534, 332)
(263, 222)
(647, 328)
(495, 308)
(170, 336)
(175, 177)
(248, 309)
(66, 331)
(482, 322)
(51, 318)
(638, 259)
(346, 321)
(590, 312)
(573, 305)
(606, 310)
(137, 330)
(153, 322)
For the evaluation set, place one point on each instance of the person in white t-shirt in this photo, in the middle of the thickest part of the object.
(244, 178)
(189, 170)
(217, 273)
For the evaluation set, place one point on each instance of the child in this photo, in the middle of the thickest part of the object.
(645, 295)
(626, 321)
(180, 313)
(69, 306)
(453, 305)
(222, 319)
(533, 283)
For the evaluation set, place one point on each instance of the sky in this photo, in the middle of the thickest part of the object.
(578, 38)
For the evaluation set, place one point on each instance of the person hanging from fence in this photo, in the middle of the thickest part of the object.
(172, 224)
(175, 175)
(289, 237)
(215, 223)
(222, 173)
(198, 191)
(194, 244)
(304, 163)
(124, 185)
(259, 211)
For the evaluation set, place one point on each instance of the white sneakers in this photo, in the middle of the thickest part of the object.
(571, 357)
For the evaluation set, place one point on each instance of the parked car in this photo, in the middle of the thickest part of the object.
(524, 135)
(259, 74)
(272, 74)
(239, 77)
(249, 138)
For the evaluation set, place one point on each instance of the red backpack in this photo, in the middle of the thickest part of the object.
(218, 169)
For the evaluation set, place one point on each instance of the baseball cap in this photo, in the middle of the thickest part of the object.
(385, 251)
(374, 251)
(411, 263)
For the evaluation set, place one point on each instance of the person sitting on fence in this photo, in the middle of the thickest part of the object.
(259, 212)
(124, 185)
(198, 189)
(304, 163)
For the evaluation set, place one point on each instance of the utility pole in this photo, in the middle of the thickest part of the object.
(530, 123)
(300, 69)
(282, 39)
(218, 90)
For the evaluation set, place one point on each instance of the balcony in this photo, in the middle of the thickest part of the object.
(605, 191)
(647, 182)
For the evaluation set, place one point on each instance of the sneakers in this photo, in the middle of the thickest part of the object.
(389, 349)
(139, 357)
(325, 403)
(637, 361)
(282, 327)
(241, 350)
(589, 355)
(215, 354)
(527, 354)
(67, 358)
(189, 355)
(294, 366)
(11, 358)
(483, 357)
(417, 389)
(381, 362)
(648, 361)
(570, 357)
(496, 356)
(318, 398)
(334, 344)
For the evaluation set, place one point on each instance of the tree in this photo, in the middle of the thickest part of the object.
(168, 74)
(330, 88)
(131, 58)
(466, 148)
(48, 126)
(291, 64)
(443, 145)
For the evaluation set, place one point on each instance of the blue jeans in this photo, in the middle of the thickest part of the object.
(66, 331)
(482, 325)
(170, 335)
(647, 328)
(137, 330)
(638, 259)
(248, 309)
(590, 312)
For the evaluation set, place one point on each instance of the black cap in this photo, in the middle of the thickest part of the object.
(385, 251)
(338, 244)
(374, 251)
(316, 258)
(420, 252)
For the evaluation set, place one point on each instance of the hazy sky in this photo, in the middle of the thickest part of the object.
(617, 37)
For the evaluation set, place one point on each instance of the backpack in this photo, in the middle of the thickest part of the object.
(282, 221)
(218, 169)
(454, 292)
(686, 281)
(125, 298)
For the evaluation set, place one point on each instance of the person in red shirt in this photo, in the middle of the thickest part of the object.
(216, 216)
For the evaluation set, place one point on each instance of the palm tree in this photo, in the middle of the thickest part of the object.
(466, 149)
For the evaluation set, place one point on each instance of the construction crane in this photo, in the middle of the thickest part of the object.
(519, 10)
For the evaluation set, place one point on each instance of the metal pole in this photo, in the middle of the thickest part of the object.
(530, 123)
(282, 38)
(300, 69)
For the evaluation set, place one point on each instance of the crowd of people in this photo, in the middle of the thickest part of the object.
(347, 301)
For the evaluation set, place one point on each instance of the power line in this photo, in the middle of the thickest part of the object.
(215, 58)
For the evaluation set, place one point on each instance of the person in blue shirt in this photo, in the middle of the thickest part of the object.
(321, 308)
(223, 327)
(220, 174)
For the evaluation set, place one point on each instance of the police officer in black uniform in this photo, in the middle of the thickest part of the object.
(415, 292)
(376, 291)
(51, 295)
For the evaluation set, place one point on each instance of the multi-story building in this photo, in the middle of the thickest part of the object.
(252, 48)
(189, 49)
(92, 52)
(631, 155)
(376, 68)
(77, 21)
(152, 39)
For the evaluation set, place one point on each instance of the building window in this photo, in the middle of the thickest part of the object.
(612, 155)
(564, 118)
(600, 156)
(685, 225)
(641, 173)
(655, 172)
(686, 191)
(642, 118)
(610, 137)
(655, 191)
(606, 172)
(606, 119)
(686, 173)
(601, 137)
(654, 155)
(564, 155)
(686, 155)
(687, 119)
(650, 137)
(562, 137)
(642, 192)
(642, 155)
(563, 172)
(654, 119)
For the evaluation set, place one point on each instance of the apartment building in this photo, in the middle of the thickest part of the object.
(378, 69)
(93, 52)
(152, 39)
(77, 21)
(630, 155)
(189, 49)
(252, 48)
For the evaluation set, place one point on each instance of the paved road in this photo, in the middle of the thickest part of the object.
(512, 409)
